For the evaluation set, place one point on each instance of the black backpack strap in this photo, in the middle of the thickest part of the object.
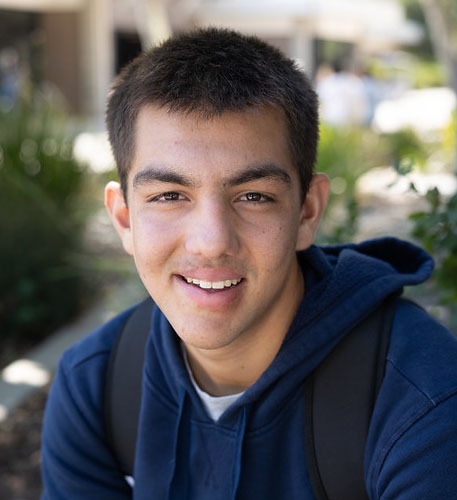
(124, 384)
(339, 400)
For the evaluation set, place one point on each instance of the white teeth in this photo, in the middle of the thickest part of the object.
(215, 285)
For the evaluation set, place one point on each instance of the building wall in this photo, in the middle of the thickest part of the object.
(62, 56)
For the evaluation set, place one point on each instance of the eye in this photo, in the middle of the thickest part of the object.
(255, 197)
(167, 197)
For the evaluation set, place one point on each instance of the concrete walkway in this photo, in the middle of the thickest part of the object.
(21, 378)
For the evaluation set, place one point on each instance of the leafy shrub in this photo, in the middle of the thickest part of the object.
(344, 155)
(427, 73)
(449, 141)
(436, 226)
(40, 223)
(437, 230)
(406, 150)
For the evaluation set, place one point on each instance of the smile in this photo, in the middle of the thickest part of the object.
(213, 285)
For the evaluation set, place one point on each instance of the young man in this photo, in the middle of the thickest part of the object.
(215, 138)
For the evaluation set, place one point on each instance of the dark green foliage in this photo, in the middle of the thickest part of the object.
(344, 155)
(40, 226)
(437, 230)
(436, 226)
(406, 150)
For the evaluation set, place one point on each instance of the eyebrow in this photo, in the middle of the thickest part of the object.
(160, 174)
(251, 173)
(260, 171)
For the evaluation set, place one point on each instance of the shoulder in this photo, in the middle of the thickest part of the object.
(413, 432)
(76, 458)
(423, 352)
(97, 344)
(82, 367)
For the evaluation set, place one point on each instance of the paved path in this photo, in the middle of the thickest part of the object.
(22, 377)
(386, 200)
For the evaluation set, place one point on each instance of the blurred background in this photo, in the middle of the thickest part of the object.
(386, 75)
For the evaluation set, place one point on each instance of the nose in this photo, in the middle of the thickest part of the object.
(211, 230)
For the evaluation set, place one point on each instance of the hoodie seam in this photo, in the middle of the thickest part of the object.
(169, 402)
(76, 365)
(425, 408)
(405, 428)
(434, 400)
(296, 397)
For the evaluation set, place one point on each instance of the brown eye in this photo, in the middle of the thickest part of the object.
(166, 197)
(254, 197)
(171, 196)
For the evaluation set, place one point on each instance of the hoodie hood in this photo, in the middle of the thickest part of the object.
(343, 284)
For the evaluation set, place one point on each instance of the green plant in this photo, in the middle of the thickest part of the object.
(449, 141)
(344, 155)
(40, 184)
(406, 150)
(427, 73)
(436, 228)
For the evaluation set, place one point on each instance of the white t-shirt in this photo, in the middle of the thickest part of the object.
(214, 405)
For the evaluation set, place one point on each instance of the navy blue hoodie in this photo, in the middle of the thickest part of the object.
(256, 449)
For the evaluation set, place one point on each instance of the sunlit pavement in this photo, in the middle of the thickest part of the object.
(21, 378)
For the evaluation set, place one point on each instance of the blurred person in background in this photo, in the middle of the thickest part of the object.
(9, 77)
(343, 96)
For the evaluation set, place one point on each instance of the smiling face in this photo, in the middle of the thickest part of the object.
(213, 221)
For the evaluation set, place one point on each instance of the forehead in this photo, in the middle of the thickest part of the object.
(188, 141)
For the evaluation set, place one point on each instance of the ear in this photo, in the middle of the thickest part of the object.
(119, 214)
(312, 210)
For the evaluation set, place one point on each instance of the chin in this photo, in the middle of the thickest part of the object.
(206, 341)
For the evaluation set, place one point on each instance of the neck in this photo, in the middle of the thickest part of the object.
(228, 371)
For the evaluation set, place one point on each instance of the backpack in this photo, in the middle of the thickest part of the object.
(339, 400)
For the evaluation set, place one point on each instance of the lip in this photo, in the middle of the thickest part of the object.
(213, 285)
(213, 275)
(210, 298)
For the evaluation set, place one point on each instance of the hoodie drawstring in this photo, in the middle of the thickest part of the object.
(178, 485)
(238, 456)
(179, 481)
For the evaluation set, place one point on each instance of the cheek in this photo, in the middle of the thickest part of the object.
(305, 238)
(276, 245)
(153, 242)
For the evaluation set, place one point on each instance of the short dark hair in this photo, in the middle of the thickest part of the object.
(208, 72)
